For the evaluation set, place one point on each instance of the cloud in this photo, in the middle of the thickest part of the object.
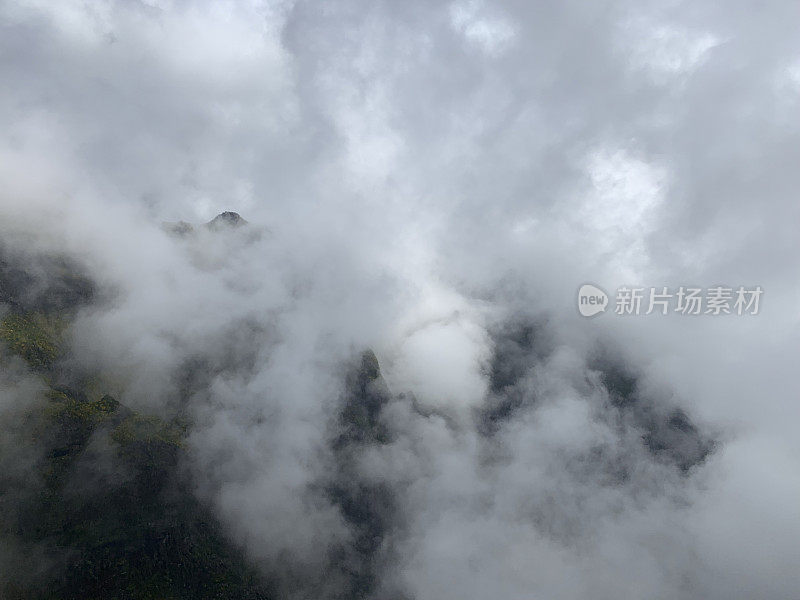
(434, 181)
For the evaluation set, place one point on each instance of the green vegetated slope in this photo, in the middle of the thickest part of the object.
(32, 335)
(93, 503)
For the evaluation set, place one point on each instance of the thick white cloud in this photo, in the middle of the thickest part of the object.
(419, 172)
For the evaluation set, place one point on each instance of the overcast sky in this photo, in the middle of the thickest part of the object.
(420, 173)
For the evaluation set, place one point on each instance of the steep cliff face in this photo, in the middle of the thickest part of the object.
(657, 425)
(94, 503)
(370, 508)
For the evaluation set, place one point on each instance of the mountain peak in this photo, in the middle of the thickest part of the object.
(227, 219)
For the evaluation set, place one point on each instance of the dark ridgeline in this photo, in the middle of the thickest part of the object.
(94, 503)
(662, 428)
(369, 508)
